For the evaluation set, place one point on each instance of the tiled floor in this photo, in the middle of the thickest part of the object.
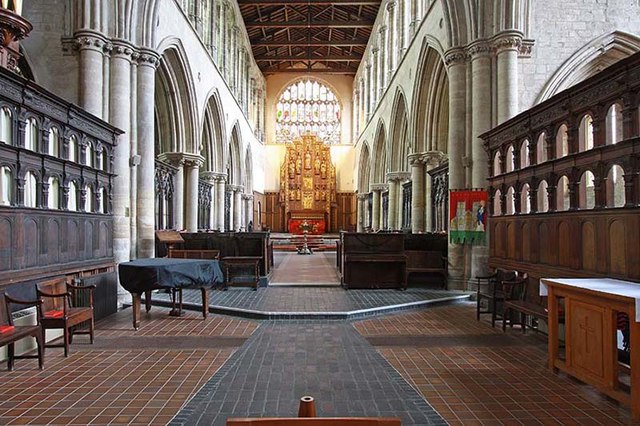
(315, 269)
(426, 366)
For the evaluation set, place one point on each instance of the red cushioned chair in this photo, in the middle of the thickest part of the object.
(58, 310)
(11, 333)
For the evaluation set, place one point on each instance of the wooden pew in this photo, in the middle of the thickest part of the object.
(427, 262)
(522, 295)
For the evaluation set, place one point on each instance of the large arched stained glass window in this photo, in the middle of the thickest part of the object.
(308, 107)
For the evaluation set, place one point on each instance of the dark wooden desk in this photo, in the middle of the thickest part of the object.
(234, 263)
(143, 275)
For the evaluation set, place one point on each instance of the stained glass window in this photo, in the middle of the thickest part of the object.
(308, 107)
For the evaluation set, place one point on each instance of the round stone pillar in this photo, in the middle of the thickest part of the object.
(376, 208)
(457, 72)
(220, 193)
(211, 178)
(417, 193)
(192, 175)
(361, 211)
(382, 57)
(145, 218)
(392, 38)
(91, 47)
(507, 79)
(248, 210)
(237, 208)
(431, 159)
(120, 117)
(375, 78)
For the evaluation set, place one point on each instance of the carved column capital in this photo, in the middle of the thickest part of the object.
(362, 197)
(210, 177)
(90, 40)
(391, 4)
(416, 159)
(433, 158)
(480, 48)
(179, 159)
(455, 56)
(379, 187)
(122, 49)
(147, 57)
(398, 176)
(507, 40)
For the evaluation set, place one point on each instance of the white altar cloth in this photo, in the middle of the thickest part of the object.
(603, 285)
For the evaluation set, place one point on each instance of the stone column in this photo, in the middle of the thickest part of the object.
(210, 178)
(507, 80)
(361, 110)
(90, 45)
(402, 36)
(431, 159)
(367, 93)
(222, 37)
(177, 159)
(192, 173)
(415, 16)
(480, 122)
(248, 210)
(455, 60)
(392, 38)
(237, 207)
(376, 207)
(375, 79)
(392, 213)
(417, 193)
(120, 117)
(236, 59)
(147, 63)
(221, 187)
(382, 57)
(361, 211)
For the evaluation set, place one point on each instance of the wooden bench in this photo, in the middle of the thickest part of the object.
(523, 296)
(176, 293)
(241, 270)
(427, 262)
(490, 289)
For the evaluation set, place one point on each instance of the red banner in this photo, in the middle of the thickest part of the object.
(467, 216)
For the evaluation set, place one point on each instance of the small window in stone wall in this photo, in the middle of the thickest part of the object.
(31, 135)
(30, 190)
(54, 142)
(53, 200)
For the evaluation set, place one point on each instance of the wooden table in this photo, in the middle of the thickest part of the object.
(591, 306)
(232, 263)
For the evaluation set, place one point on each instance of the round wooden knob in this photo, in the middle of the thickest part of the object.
(307, 407)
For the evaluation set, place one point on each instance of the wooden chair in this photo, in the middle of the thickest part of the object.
(490, 289)
(58, 310)
(11, 333)
(176, 293)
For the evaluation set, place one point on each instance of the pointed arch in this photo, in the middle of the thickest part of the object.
(234, 164)
(430, 117)
(364, 170)
(213, 134)
(174, 99)
(399, 146)
(589, 60)
(379, 159)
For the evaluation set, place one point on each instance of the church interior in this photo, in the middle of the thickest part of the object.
(367, 212)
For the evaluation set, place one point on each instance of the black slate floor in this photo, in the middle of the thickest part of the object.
(283, 361)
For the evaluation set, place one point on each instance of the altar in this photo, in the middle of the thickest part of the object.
(308, 186)
(590, 311)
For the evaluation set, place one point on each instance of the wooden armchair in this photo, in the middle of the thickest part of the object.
(11, 333)
(490, 289)
(58, 311)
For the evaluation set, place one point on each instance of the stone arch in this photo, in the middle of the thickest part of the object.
(589, 60)
(379, 158)
(364, 170)
(398, 143)
(213, 137)
(234, 164)
(430, 117)
(174, 99)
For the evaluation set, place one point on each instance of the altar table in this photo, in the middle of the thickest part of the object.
(143, 275)
(591, 306)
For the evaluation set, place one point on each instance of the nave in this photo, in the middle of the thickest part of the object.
(431, 364)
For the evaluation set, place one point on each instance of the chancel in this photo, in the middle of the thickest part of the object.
(337, 212)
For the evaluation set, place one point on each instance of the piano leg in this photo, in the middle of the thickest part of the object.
(205, 301)
(136, 309)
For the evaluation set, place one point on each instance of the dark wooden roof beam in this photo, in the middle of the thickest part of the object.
(302, 24)
(375, 3)
(303, 43)
(334, 58)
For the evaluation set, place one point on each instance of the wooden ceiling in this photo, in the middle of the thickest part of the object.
(309, 35)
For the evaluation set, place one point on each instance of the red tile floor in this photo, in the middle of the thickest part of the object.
(469, 372)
